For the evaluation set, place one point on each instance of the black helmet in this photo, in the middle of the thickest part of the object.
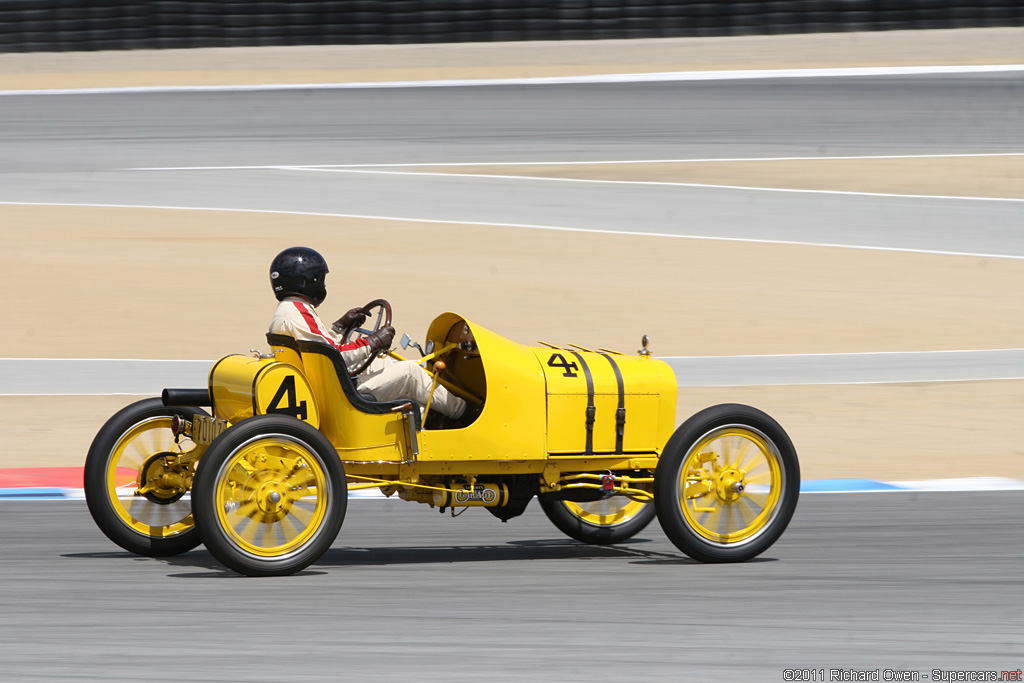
(299, 271)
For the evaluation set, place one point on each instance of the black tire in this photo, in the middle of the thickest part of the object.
(293, 469)
(601, 522)
(764, 490)
(129, 439)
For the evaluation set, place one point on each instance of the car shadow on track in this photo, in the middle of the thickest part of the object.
(347, 556)
(513, 551)
(195, 558)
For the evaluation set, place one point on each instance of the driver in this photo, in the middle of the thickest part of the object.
(297, 276)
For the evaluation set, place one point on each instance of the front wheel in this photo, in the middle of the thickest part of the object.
(137, 477)
(601, 522)
(270, 496)
(727, 484)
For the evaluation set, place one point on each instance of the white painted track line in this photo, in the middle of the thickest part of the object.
(531, 226)
(393, 169)
(660, 77)
(604, 162)
(746, 188)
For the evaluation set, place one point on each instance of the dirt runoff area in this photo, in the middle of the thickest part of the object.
(996, 176)
(192, 284)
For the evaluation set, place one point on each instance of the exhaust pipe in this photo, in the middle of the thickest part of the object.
(186, 397)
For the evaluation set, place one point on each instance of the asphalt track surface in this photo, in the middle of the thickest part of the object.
(75, 149)
(97, 376)
(908, 581)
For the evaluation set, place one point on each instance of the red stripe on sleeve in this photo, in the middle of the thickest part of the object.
(358, 343)
(313, 322)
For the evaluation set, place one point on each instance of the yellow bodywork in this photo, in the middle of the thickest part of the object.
(356, 435)
(243, 386)
(532, 412)
(536, 403)
(508, 379)
(649, 389)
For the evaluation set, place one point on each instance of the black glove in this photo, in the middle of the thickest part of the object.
(382, 338)
(353, 318)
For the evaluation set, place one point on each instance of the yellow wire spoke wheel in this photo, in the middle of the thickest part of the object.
(270, 496)
(136, 449)
(727, 484)
(730, 485)
(599, 522)
(608, 512)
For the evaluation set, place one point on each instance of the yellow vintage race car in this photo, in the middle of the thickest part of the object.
(263, 478)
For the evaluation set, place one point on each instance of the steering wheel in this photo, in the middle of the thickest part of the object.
(353, 333)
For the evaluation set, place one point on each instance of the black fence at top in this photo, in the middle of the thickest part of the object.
(69, 25)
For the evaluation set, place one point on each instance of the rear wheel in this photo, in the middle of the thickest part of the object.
(270, 496)
(137, 477)
(727, 484)
(600, 522)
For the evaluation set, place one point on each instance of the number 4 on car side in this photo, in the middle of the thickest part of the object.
(259, 464)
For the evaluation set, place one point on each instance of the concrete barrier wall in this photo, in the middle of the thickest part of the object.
(75, 25)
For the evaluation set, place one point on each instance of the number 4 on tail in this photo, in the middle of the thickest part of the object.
(292, 406)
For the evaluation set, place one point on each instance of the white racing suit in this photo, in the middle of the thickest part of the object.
(386, 379)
